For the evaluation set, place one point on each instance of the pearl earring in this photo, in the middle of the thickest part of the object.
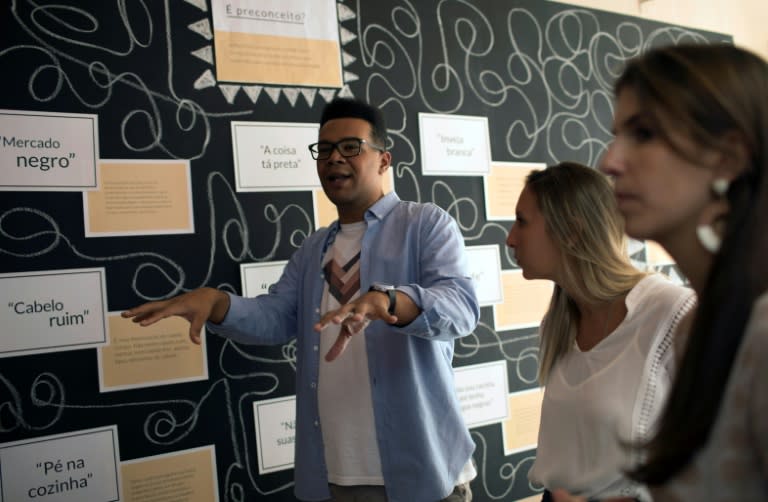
(720, 186)
(708, 238)
(705, 233)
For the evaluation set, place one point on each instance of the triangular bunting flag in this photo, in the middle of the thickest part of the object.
(200, 4)
(292, 94)
(253, 92)
(205, 80)
(229, 92)
(350, 77)
(309, 94)
(346, 92)
(675, 276)
(635, 246)
(328, 94)
(202, 27)
(345, 13)
(346, 35)
(347, 58)
(204, 53)
(273, 92)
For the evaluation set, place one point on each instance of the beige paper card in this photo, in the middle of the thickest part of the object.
(159, 354)
(185, 475)
(521, 428)
(242, 57)
(140, 197)
(525, 302)
(503, 185)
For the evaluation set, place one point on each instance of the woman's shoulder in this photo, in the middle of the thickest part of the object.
(656, 290)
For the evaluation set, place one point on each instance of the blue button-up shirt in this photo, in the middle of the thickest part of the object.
(422, 438)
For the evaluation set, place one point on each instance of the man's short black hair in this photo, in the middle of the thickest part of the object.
(354, 108)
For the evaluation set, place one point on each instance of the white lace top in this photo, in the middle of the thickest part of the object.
(613, 392)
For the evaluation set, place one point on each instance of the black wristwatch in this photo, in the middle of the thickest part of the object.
(390, 291)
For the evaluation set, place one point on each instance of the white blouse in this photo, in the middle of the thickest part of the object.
(597, 399)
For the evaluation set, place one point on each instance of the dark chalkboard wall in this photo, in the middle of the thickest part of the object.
(540, 71)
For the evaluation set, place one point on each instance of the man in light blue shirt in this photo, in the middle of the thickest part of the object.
(375, 301)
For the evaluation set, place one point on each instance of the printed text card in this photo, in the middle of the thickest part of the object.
(48, 151)
(274, 156)
(482, 392)
(51, 311)
(74, 467)
(454, 145)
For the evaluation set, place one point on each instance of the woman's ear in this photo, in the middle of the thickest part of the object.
(734, 156)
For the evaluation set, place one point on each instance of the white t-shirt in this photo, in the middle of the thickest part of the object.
(344, 393)
(612, 393)
(346, 411)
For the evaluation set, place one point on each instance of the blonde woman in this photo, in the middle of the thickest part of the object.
(605, 341)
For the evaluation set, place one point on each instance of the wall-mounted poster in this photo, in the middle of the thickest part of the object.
(140, 197)
(256, 278)
(146, 356)
(485, 267)
(70, 467)
(521, 430)
(47, 151)
(454, 145)
(181, 475)
(289, 42)
(482, 392)
(274, 156)
(502, 186)
(525, 301)
(275, 424)
(53, 310)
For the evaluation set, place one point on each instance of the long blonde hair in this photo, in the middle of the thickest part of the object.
(582, 219)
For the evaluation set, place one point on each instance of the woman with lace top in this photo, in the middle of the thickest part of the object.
(605, 341)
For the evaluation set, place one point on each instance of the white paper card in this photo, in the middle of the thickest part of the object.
(274, 156)
(275, 422)
(454, 145)
(70, 467)
(48, 151)
(482, 392)
(256, 278)
(52, 310)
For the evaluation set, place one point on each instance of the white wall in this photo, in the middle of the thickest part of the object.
(743, 19)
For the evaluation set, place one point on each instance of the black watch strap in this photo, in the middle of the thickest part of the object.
(392, 293)
(388, 290)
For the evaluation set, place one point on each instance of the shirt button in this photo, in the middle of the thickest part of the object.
(315, 348)
(313, 385)
(317, 424)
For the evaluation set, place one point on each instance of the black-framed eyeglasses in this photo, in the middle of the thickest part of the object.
(347, 147)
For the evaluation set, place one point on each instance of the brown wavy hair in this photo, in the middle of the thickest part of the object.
(706, 93)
